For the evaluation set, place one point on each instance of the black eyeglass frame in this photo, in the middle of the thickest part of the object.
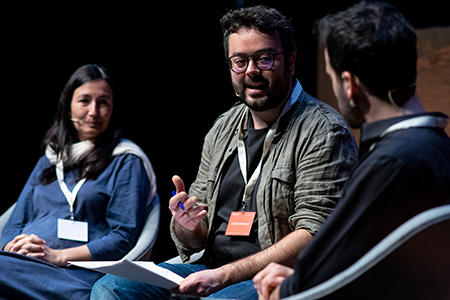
(228, 61)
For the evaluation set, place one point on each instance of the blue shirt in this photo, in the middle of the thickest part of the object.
(113, 204)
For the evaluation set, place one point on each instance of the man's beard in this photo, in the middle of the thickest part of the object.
(278, 90)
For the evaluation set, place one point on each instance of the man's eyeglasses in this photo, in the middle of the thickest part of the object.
(263, 61)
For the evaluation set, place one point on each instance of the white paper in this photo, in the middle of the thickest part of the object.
(143, 271)
(73, 230)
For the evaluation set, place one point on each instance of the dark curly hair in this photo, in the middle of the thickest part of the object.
(262, 18)
(375, 42)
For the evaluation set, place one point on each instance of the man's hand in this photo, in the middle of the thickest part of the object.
(201, 283)
(268, 281)
(190, 217)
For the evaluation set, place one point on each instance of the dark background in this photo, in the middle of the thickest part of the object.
(169, 61)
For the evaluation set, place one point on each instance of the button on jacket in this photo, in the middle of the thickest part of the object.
(302, 175)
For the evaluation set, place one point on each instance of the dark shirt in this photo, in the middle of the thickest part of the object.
(226, 249)
(406, 173)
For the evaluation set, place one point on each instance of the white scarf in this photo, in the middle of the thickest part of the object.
(79, 150)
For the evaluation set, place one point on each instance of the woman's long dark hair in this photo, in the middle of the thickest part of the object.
(63, 134)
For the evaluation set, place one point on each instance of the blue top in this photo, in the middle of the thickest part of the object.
(114, 205)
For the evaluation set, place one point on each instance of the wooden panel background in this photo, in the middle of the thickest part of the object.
(433, 72)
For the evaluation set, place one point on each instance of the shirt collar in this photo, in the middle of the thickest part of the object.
(296, 91)
(372, 131)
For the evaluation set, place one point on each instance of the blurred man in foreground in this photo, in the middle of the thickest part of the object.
(404, 165)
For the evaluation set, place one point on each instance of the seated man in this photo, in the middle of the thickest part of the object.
(280, 157)
(404, 166)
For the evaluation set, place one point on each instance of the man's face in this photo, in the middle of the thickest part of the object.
(353, 115)
(260, 90)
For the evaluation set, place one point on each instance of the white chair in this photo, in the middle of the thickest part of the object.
(4, 217)
(177, 259)
(413, 262)
(144, 245)
(146, 240)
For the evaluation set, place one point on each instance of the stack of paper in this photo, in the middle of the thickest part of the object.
(143, 271)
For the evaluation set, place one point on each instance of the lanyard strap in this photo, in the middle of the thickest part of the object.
(421, 121)
(70, 196)
(242, 156)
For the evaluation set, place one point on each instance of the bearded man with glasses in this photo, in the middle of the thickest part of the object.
(271, 171)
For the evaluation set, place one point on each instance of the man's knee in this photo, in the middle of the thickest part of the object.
(106, 288)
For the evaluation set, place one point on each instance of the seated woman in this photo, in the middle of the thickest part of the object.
(86, 198)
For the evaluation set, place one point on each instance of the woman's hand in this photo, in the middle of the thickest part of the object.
(30, 245)
(55, 257)
(33, 246)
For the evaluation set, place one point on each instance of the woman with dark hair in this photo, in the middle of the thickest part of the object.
(85, 200)
(63, 134)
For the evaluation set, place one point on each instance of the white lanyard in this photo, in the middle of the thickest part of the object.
(242, 156)
(70, 196)
(421, 121)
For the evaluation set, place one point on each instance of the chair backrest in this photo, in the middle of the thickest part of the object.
(146, 240)
(4, 218)
(192, 259)
(413, 262)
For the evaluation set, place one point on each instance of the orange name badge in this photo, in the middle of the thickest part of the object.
(240, 223)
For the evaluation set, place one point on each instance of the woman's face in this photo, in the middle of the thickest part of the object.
(91, 109)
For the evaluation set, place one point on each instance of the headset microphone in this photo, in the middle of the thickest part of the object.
(74, 120)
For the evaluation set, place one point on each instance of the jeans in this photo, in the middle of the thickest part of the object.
(114, 287)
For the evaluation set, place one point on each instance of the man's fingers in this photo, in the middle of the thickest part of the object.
(267, 280)
(261, 274)
(179, 184)
(190, 219)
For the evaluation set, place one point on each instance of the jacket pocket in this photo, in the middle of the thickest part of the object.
(283, 181)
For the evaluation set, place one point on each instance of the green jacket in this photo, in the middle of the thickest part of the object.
(302, 175)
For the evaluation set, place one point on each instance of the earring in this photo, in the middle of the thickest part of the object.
(352, 103)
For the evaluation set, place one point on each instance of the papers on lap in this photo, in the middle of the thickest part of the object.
(143, 271)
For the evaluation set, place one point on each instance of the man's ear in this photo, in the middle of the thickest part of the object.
(292, 59)
(350, 83)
